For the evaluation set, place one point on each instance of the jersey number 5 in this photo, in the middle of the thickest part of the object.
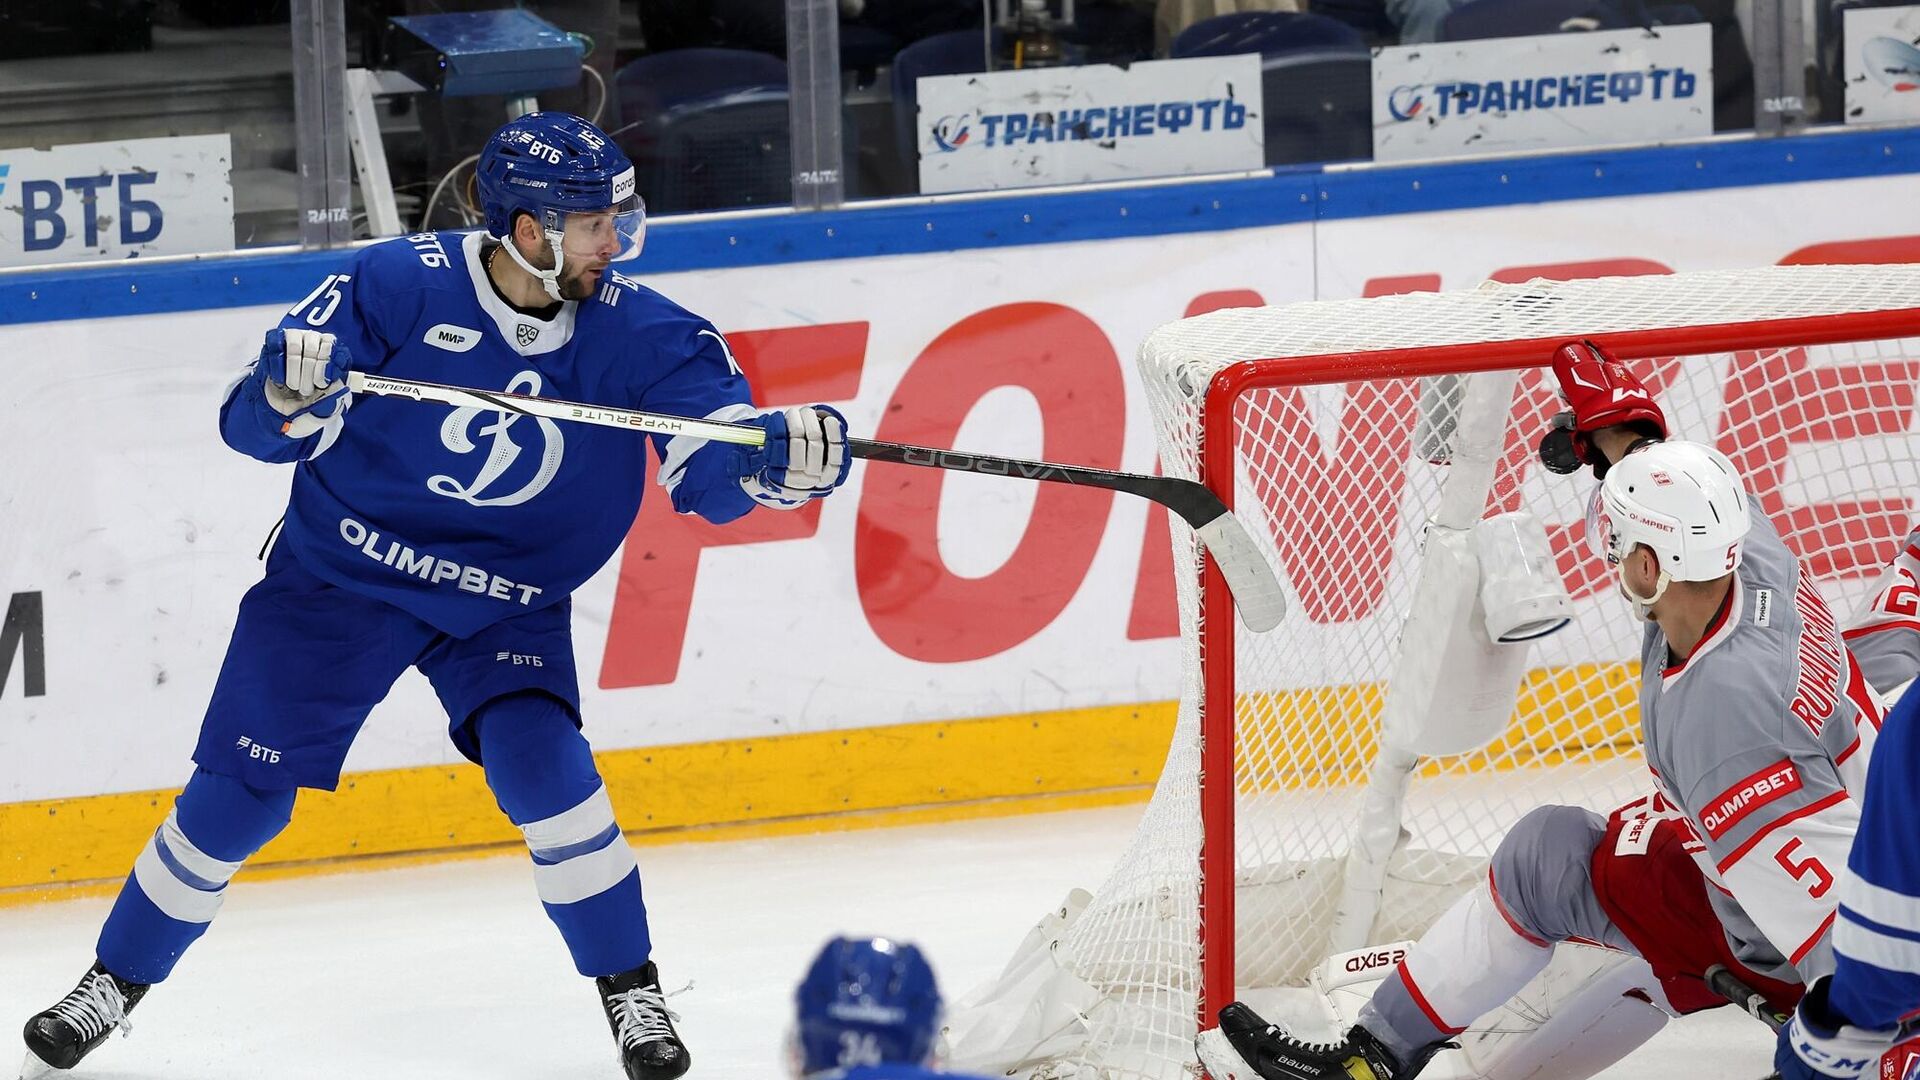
(1822, 879)
(321, 303)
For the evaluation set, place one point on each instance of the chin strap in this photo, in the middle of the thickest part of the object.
(1643, 606)
(549, 279)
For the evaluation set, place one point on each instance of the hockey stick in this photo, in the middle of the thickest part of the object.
(1255, 589)
(1728, 985)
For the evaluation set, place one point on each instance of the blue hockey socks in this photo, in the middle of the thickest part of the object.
(181, 876)
(542, 775)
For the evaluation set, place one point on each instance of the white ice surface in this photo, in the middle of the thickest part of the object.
(453, 971)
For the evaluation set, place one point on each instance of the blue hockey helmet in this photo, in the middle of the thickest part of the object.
(551, 165)
(866, 1001)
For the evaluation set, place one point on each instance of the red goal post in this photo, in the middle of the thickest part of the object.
(1219, 447)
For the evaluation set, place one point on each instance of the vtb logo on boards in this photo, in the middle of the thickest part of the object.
(23, 634)
(100, 208)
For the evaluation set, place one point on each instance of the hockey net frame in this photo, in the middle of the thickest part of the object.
(1099, 991)
(1219, 447)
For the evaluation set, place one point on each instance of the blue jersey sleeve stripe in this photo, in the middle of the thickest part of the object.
(1872, 947)
(1890, 908)
(1878, 927)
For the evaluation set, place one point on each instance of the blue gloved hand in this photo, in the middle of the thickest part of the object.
(805, 456)
(301, 375)
(1818, 1042)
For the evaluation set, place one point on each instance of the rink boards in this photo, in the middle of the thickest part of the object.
(919, 640)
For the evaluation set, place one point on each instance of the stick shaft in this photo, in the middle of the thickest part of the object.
(1256, 590)
(553, 408)
(1728, 985)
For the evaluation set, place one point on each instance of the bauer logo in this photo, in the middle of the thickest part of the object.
(452, 338)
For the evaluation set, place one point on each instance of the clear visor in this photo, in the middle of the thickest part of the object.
(613, 235)
(1601, 536)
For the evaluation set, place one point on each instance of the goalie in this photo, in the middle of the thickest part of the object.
(1757, 721)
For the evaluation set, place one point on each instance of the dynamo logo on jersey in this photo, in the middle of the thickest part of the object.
(502, 451)
(950, 133)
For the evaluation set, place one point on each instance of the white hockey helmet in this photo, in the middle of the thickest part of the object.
(1684, 501)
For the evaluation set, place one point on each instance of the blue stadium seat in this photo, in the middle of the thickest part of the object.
(721, 152)
(1268, 33)
(660, 81)
(1319, 106)
(1316, 80)
(957, 52)
(1369, 17)
(1523, 18)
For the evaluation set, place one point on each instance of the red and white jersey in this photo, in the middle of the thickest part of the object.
(1885, 638)
(1760, 741)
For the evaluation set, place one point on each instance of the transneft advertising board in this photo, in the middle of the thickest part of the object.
(1068, 125)
(1475, 98)
(1882, 65)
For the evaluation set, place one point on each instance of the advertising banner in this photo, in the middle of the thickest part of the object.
(1882, 65)
(116, 200)
(1476, 98)
(128, 532)
(1068, 125)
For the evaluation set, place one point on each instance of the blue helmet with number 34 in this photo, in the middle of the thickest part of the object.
(552, 165)
(865, 1001)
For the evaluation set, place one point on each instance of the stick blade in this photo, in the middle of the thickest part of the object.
(1256, 591)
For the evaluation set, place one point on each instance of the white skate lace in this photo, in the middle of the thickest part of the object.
(641, 1015)
(94, 1007)
(1308, 1046)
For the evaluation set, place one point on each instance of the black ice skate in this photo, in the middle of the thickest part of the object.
(1245, 1047)
(643, 1025)
(61, 1036)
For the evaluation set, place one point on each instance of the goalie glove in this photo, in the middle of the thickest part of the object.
(301, 375)
(1600, 393)
(805, 456)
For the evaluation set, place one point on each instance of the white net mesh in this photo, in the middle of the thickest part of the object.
(1335, 481)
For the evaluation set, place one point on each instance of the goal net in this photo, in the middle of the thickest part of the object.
(1344, 434)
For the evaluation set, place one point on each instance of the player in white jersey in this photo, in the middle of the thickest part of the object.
(1757, 722)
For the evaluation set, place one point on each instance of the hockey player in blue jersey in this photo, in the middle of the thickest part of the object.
(868, 1009)
(1849, 1021)
(450, 541)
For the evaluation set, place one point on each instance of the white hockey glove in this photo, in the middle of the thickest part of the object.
(301, 373)
(805, 456)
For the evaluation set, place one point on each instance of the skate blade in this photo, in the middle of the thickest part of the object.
(35, 1069)
(1223, 1062)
